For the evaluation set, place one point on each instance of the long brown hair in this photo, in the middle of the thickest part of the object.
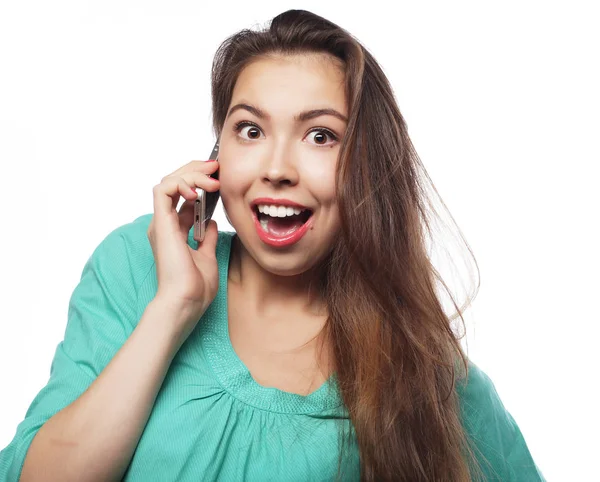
(395, 354)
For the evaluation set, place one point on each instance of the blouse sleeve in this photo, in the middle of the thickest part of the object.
(101, 316)
(504, 455)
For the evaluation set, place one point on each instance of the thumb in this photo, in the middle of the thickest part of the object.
(209, 244)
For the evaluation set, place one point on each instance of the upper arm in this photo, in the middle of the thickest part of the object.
(101, 316)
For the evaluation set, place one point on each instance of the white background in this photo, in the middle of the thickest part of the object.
(100, 100)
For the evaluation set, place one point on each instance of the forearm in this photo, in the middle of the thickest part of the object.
(94, 438)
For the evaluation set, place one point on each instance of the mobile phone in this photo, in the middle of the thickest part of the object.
(204, 206)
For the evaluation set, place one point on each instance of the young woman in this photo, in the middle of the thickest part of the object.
(308, 345)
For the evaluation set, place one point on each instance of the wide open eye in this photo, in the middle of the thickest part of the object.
(322, 134)
(253, 130)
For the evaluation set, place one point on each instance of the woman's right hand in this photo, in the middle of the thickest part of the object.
(188, 279)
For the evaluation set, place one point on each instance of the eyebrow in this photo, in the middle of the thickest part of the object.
(301, 117)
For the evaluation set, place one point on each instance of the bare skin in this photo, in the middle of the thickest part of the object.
(292, 356)
(274, 309)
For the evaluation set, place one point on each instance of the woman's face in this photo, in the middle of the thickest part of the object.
(279, 157)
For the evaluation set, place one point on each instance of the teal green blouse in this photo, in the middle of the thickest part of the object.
(211, 419)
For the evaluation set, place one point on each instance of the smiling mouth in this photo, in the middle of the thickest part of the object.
(284, 225)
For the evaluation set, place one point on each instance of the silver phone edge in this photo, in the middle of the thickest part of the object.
(200, 204)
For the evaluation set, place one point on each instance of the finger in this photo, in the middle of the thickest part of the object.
(198, 179)
(171, 188)
(209, 245)
(207, 167)
(167, 195)
(186, 216)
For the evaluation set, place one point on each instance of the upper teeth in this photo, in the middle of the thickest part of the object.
(279, 211)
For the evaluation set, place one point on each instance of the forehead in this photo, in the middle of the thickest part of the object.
(283, 83)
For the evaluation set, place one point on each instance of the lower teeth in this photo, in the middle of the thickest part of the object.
(264, 224)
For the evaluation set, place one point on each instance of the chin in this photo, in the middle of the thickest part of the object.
(289, 267)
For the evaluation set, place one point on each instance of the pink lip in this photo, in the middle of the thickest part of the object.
(277, 202)
(280, 241)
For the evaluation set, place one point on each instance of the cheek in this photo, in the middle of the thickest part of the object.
(322, 185)
(233, 178)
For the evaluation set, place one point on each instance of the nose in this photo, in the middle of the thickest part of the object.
(280, 167)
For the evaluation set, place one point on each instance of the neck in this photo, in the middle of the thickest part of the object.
(269, 293)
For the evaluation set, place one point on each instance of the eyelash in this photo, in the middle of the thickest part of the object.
(239, 125)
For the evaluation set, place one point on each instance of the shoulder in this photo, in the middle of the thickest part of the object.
(477, 392)
(124, 253)
(133, 234)
(127, 249)
(137, 230)
(494, 431)
(479, 400)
